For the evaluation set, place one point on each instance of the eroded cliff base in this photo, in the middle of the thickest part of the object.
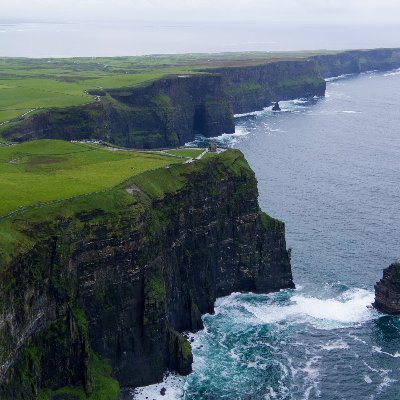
(95, 291)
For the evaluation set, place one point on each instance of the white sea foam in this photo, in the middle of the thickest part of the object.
(357, 339)
(299, 101)
(336, 78)
(172, 383)
(252, 113)
(311, 378)
(376, 349)
(232, 138)
(386, 382)
(276, 130)
(393, 73)
(339, 344)
(348, 309)
(271, 395)
(367, 379)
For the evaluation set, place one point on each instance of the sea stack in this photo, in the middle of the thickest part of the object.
(276, 107)
(387, 290)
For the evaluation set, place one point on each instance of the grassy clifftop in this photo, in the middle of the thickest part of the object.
(42, 181)
(76, 273)
(162, 100)
(34, 85)
(46, 170)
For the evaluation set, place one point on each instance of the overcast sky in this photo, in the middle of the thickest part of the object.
(135, 27)
(364, 12)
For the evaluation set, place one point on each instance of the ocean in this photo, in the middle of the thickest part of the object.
(330, 168)
(130, 38)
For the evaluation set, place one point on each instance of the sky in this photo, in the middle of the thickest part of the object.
(334, 12)
(64, 28)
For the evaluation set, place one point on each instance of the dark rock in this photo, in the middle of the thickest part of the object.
(165, 113)
(276, 107)
(254, 87)
(387, 290)
(357, 61)
(123, 283)
(163, 391)
(173, 110)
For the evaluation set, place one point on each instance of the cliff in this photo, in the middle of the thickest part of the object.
(164, 113)
(357, 61)
(387, 290)
(97, 289)
(173, 110)
(254, 87)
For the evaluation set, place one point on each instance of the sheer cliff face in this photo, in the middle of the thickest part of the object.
(254, 87)
(165, 113)
(174, 110)
(122, 280)
(387, 290)
(356, 61)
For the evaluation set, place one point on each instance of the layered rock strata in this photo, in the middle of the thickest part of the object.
(115, 277)
(172, 111)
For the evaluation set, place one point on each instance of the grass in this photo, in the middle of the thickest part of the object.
(191, 153)
(45, 170)
(105, 387)
(27, 84)
(39, 84)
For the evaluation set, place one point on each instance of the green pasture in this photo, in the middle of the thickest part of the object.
(189, 153)
(28, 84)
(21, 94)
(45, 170)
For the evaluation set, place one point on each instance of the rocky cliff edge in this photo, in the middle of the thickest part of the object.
(95, 291)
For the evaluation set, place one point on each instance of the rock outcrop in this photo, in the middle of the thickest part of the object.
(387, 290)
(113, 278)
(276, 107)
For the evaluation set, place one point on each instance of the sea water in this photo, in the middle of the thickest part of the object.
(330, 168)
(130, 37)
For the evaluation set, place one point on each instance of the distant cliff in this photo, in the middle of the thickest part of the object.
(167, 112)
(252, 88)
(387, 290)
(171, 111)
(97, 290)
(357, 61)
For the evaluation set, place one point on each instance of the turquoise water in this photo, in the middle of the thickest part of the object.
(330, 168)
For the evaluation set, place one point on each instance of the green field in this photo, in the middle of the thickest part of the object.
(44, 170)
(21, 92)
(189, 153)
(31, 84)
